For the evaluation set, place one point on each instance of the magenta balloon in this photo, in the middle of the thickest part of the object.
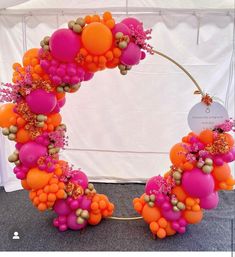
(64, 45)
(152, 186)
(131, 54)
(132, 23)
(233, 152)
(210, 202)
(198, 184)
(62, 102)
(228, 157)
(61, 207)
(171, 215)
(85, 203)
(88, 76)
(80, 178)
(143, 55)
(41, 102)
(121, 27)
(30, 152)
(218, 161)
(72, 222)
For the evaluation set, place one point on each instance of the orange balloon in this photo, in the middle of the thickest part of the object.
(221, 173)
(97, 38)
(22, 136)
(6, 115)
(180, 193)
(150, 214)
(25, 185)
(206, 136)
(28, 55)
(193, 217)
(94, 219)
(177, 154)
(55, 119)
(229, 139)
(37, 179)
(169, 230)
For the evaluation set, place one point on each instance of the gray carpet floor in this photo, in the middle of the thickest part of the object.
(214, 233)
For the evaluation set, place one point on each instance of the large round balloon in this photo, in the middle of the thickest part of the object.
(97, 38)
(41, 102)
(198, 184)
(64, 45)
(131, 54)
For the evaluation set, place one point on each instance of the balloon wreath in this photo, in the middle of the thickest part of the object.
(32, 119)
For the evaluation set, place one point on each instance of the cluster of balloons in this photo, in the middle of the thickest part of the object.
(32, 119)
(199, 169)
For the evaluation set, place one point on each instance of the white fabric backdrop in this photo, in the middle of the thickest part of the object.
(121, 127)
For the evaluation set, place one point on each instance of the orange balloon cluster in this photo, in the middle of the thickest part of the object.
(32, 63)
(100, 207)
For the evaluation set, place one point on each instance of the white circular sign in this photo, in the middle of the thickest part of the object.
(202, 117)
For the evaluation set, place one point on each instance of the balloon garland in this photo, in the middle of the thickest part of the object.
(32, 119)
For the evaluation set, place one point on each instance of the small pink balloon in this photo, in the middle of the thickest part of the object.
(30, 152)
(131, 54)
(41, 102)
(61, 207)
(56, 80)
(88, 76)
(143, 55)
(80, 178)
(64, 45)
(63, 227)
(218, 161)
(171, 215)
(228, 157)
(62, 102)
(85, 203)
(121, 27)
(60, 72)
(72, 222)
(210, 202)
(198, 184)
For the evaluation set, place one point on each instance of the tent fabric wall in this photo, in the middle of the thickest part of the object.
(121, 128)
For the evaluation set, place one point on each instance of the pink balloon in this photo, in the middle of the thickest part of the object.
(152, 185)
(198, 184)
(171, 215)
(41, 102)
(121, 27)
(64, 45)
(210, 202)
(72, 222)
(218, 161)
(61, 207)
(131, 54)
(228, 157)
(85, 203)
(88, 76)
(132, 23)
(80, 178)
(30, 152)
(62, 102)
(143, 55)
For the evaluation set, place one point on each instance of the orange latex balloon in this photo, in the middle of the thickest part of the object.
(206, 136)
(28, 55)
(180, 193)
(22, 136)
(150, 214)
(37, 178)
(55, 119)
(97, 38)
(229, 139)
(7, 115)
(193, 217)
(177, 154)
(25, 185)
(94, 219)
(169, 230)
(221, 173)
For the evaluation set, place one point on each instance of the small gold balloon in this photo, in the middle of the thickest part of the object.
(71, 24)
(123, 72)
(90, 186)
(85, 214)
(181, 205)
(174, 201)
(122, 44)
(78, 212)
(118, 35)
(77, 28)
(46, 40)
(146, 198)
(5, 131)
(177, 182)
(81, 22)
(13, 158)
(13, 129)
(11, 136)
(207, 169)
(152, 198)
(66, 88)
(209, 161)
(80, 220)
(177, 175)
(40, 117)
(42, 43)
(40, 124)
(175, 208)
(60, 89)
(121, 67)
(200, 164)
(151, 204)
(46, 48)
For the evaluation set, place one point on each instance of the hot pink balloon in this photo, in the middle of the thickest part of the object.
(64, 45)
(210, 202)
(121, 27)
(131, 54)
(198, 184)
(72, 222)
(41, 102)
(80, 178)
(61, 207)
(132, 23)
(88, 76)
(30, 153)
(171, 215)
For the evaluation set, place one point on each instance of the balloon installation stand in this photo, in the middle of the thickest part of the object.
(31, 117)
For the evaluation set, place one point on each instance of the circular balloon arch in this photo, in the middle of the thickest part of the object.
(32, 119)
